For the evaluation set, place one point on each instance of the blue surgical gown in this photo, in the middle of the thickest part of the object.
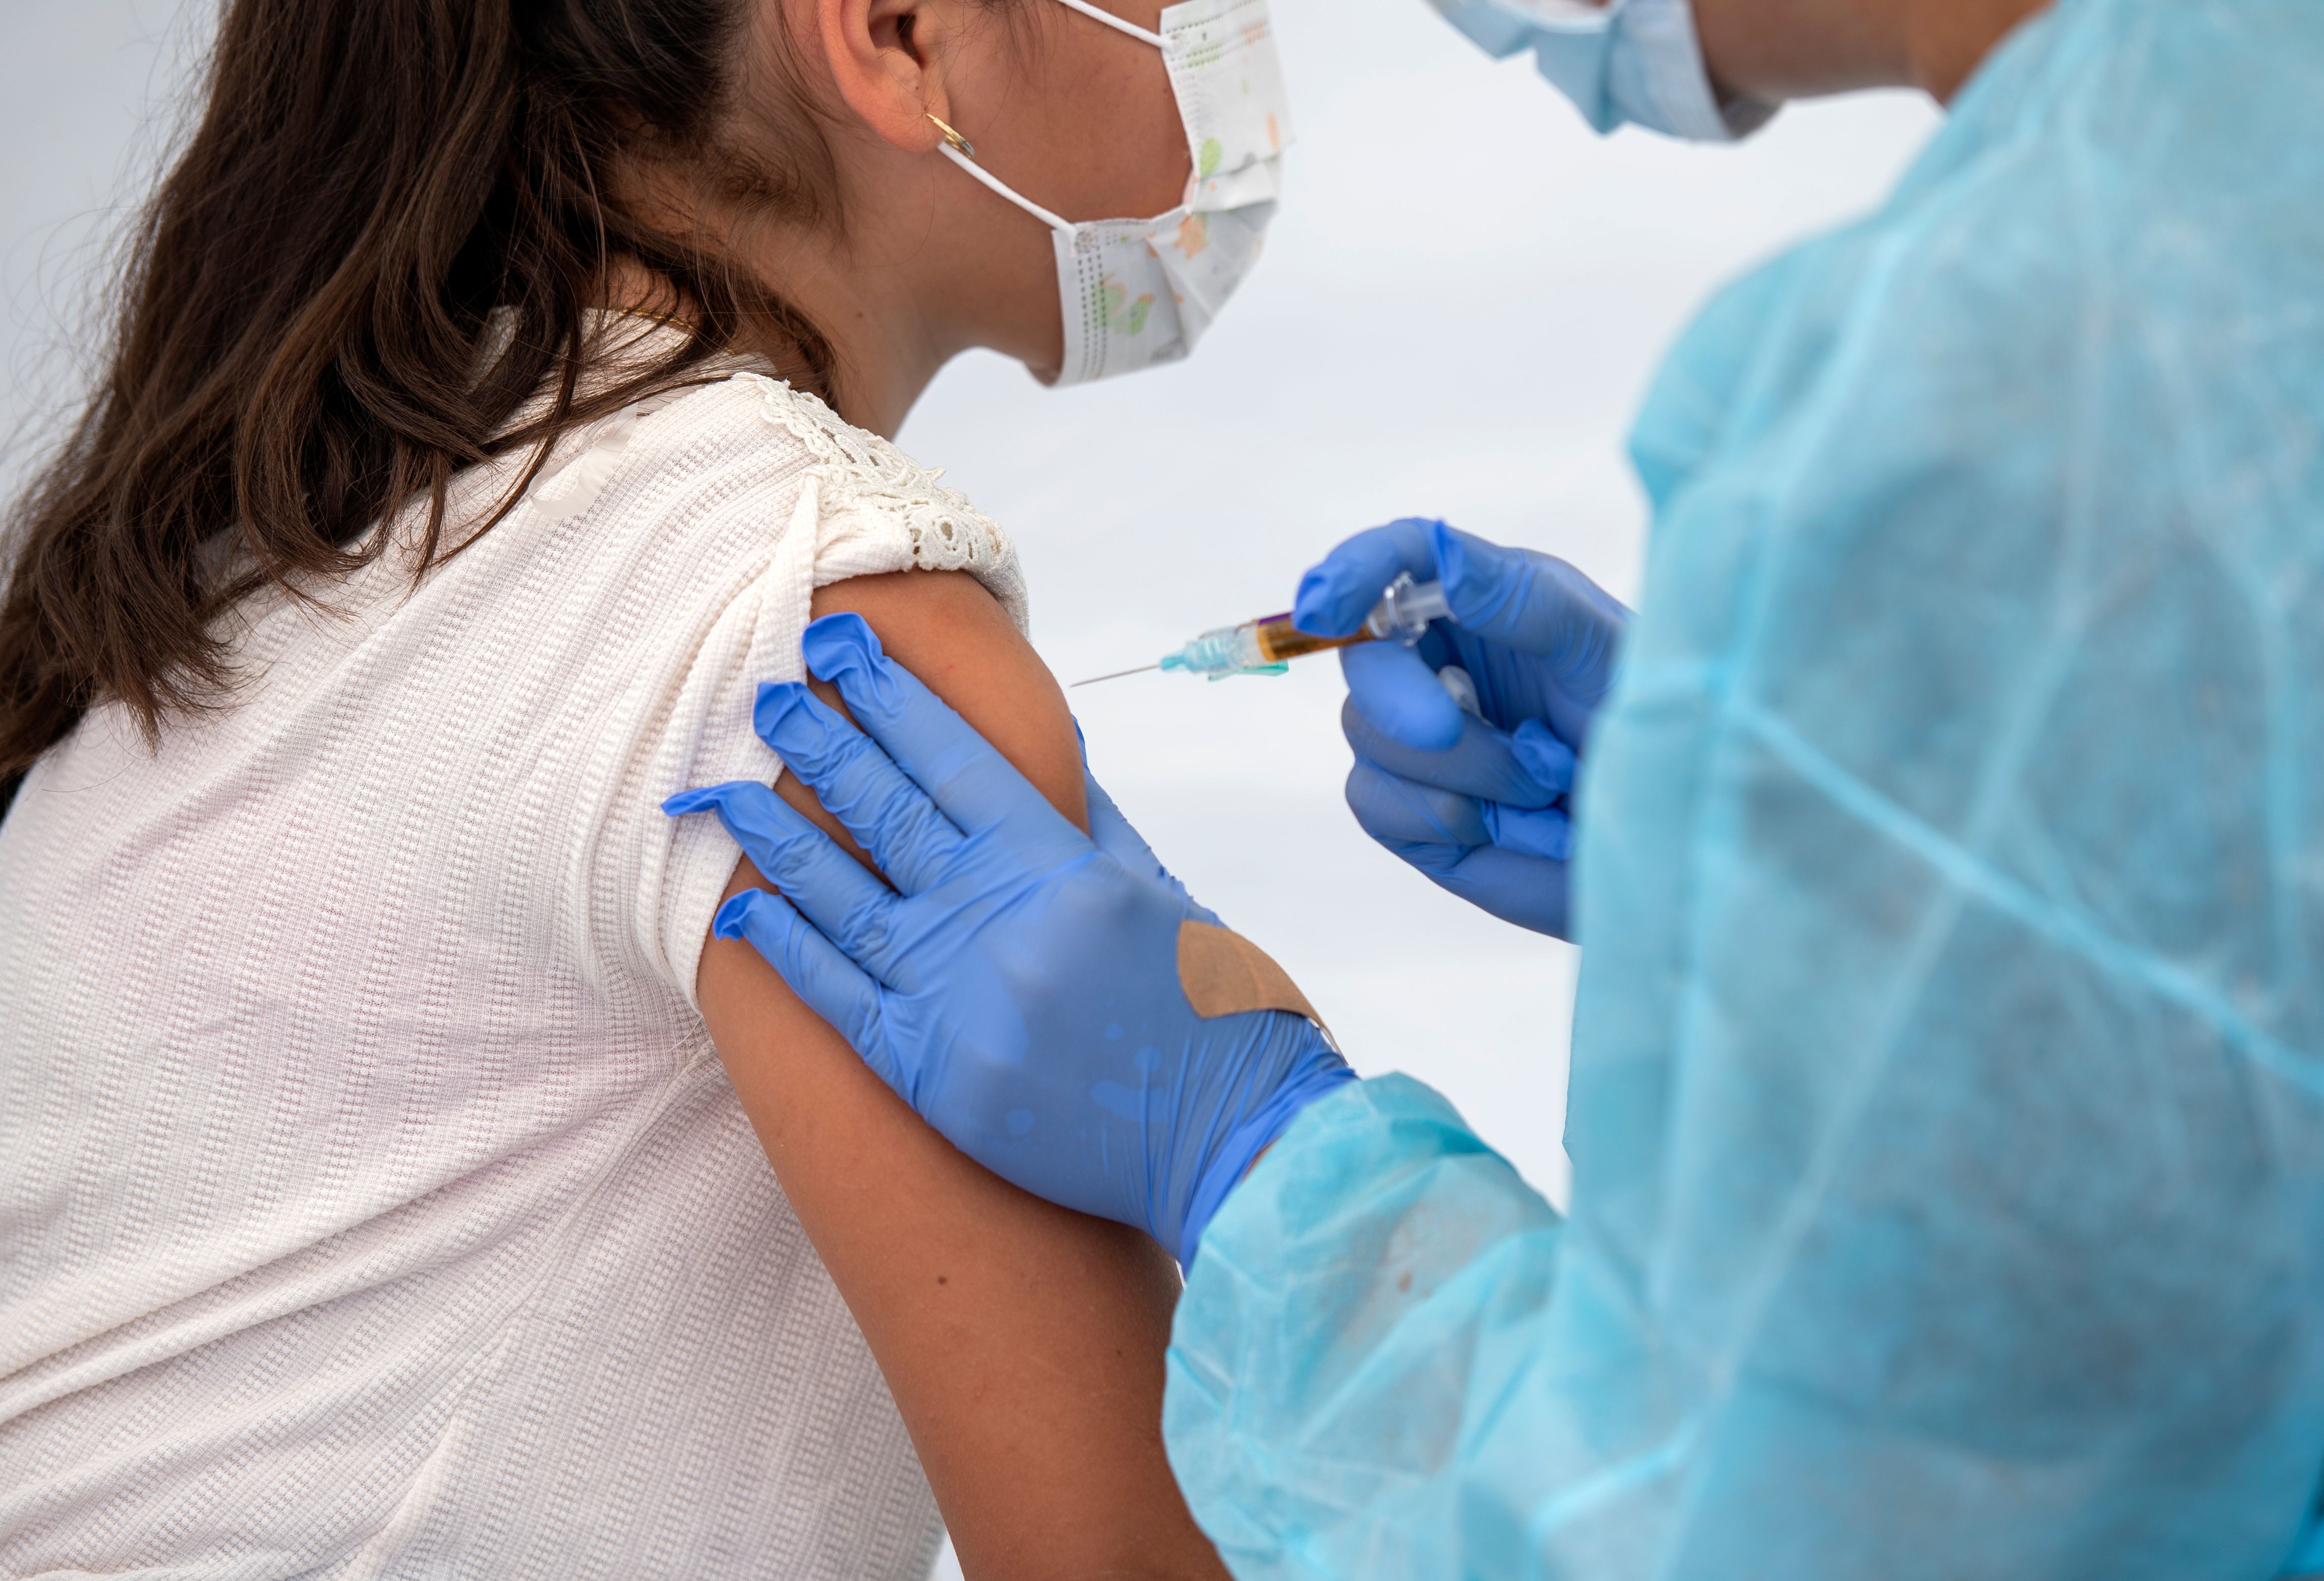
(1947, 1093)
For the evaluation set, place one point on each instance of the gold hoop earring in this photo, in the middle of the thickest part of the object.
(967, 148)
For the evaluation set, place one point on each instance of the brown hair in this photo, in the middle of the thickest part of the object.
(305, 337)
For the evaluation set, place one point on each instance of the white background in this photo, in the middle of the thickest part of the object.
(1461, 305)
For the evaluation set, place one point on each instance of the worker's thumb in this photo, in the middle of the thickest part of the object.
(1393, 688)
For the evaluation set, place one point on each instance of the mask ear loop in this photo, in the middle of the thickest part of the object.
(963, 152)
(1115, 23)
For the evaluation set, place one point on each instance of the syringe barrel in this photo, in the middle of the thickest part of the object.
(1405, 609)
(1265, 645)
(1278, 640)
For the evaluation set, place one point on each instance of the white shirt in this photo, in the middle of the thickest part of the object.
(372, 1200)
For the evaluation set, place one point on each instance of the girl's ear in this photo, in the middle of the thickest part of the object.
(886, 57)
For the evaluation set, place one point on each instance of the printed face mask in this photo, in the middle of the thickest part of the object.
(1135, 293)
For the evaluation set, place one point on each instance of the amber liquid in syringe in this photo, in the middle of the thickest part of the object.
(1278, 640)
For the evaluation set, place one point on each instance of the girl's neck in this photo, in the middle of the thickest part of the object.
(882, 358)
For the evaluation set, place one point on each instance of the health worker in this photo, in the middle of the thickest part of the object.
(1947, 1088)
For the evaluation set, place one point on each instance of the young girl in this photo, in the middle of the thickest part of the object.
(498, 389)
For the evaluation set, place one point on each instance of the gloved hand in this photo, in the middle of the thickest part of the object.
(1019, 986)
(1478, 801)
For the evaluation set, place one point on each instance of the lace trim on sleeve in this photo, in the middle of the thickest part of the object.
(859, 471)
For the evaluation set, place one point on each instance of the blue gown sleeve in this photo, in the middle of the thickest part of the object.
(1379, 1267)
(1948, 1098)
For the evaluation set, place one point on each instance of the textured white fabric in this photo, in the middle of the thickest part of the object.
(372, 1201)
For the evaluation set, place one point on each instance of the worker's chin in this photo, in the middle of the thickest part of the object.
(1045, 372)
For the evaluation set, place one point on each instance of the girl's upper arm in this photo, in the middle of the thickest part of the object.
(1023, 1342)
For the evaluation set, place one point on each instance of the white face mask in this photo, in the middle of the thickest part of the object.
(1135, 293)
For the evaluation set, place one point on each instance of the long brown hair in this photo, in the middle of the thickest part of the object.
(305, 337)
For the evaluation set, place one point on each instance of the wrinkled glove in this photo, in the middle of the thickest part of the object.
(1479, 800)
(1019, 986)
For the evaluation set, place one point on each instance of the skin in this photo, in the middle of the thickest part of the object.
(1076, 116)
(1799, 49)
(1023, 1342)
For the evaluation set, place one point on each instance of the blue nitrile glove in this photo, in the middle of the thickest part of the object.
(1019, 986)
(1480, 802)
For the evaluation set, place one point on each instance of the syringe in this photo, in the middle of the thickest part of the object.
(1266, 646)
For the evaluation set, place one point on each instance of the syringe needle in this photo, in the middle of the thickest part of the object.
(1117, 675)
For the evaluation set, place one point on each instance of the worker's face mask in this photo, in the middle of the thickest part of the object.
(1135, 293)
(1634, 60)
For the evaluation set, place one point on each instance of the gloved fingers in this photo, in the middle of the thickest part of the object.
(1395, 810)
(1546, 831)
(830, 984)
(1490, 764)
(1398, 692)
(1340, 590)
(1114, 835)
(854, 909)
(858, 784)
(1546, 759)
(976, 788)
(1533, 603)
(1530, 892)
(1451, 838)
